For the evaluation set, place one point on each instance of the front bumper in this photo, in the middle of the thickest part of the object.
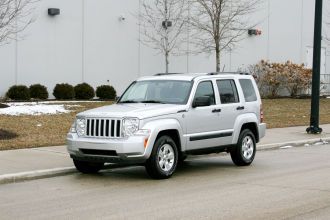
(121, 150)
(262, 130)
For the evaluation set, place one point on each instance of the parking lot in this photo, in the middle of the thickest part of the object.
(289, 183)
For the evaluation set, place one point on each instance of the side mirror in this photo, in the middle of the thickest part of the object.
(201, 101)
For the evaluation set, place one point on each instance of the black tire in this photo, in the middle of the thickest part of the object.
(153, 166)
(182, 158)
(240, 156)
(88, 167)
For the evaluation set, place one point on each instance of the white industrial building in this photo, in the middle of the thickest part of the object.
(90, 42)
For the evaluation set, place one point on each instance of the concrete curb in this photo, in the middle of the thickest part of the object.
(37, 174)
(292, 143)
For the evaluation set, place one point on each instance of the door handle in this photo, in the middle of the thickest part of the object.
(216, 110)
(240, 108)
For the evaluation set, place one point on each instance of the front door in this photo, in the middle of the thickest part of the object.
(203, 121)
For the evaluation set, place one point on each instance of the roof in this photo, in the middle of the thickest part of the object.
(189, 76)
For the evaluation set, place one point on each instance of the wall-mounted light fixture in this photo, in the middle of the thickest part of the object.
(122, 18)
(53, 11)
(166, 24)
(254, 32)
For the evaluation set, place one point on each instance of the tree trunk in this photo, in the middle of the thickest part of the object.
(166, 62)
(217, 57)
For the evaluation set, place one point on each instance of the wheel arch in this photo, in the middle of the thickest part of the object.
(246, 121)
(252, 126)
(170, 127)
(174, 134)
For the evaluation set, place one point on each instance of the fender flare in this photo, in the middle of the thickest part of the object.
(240, 121)
(160, 125)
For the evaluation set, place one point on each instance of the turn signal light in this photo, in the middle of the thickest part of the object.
(145, 142)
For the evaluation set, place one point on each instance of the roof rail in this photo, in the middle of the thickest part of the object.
(217, 73)
(164, 74)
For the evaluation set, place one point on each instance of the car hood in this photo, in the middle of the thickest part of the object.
(138, 110)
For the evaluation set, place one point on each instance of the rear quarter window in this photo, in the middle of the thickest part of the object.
(248, 90)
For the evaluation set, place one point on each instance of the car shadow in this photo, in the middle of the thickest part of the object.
(190, 167)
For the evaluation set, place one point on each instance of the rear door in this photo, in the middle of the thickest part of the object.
(251, 104)
(231, 107)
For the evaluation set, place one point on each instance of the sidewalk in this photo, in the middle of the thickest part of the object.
(294, 136)
(18, 165)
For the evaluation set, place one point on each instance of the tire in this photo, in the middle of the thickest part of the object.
(88, 167)
(182, 158)
(163, 159)
(245, 150)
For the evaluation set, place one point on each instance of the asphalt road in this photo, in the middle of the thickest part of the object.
(281, 184)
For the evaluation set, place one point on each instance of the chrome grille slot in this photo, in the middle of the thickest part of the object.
(103, 128)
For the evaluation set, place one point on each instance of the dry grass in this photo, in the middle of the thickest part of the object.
(51, 130)
(44, 130)
(281, 113)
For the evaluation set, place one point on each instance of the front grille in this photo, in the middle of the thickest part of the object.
(103, 128)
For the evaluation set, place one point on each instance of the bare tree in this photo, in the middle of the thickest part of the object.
(14, 18)
(162, 25)
(218, 25)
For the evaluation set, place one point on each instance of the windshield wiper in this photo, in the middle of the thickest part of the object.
(152, 101)
(129, 101)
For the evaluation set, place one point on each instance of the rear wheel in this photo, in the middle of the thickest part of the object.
(244, 152)
(88, 167)
(163, 159)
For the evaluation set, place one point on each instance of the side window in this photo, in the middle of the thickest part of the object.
(227, 91)
(205, 89)
(248, 90)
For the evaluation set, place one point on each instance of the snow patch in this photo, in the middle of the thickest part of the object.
(286, 147)
(33, 108)
(321, 142)
(50, 102)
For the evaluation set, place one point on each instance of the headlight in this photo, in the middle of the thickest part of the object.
(130, 126)
(80, 126)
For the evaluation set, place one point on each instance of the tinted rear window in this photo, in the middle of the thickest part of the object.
(227, 91)
(248, 90)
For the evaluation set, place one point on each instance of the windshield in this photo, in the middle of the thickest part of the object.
(157, 91)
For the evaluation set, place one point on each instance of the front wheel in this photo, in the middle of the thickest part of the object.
(163, 159)
(244, 152)
(88, 167)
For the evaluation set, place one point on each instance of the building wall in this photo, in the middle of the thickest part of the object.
(88, 43)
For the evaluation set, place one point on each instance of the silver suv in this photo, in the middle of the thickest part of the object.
(161, 119)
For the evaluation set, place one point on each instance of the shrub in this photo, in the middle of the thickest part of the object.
(63, 91)
(84, 91)
(106, 92)
(18, 92)
(275, 77)
(38, 91)
(298, 78)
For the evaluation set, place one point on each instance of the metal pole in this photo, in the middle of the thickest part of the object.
(315, 104)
